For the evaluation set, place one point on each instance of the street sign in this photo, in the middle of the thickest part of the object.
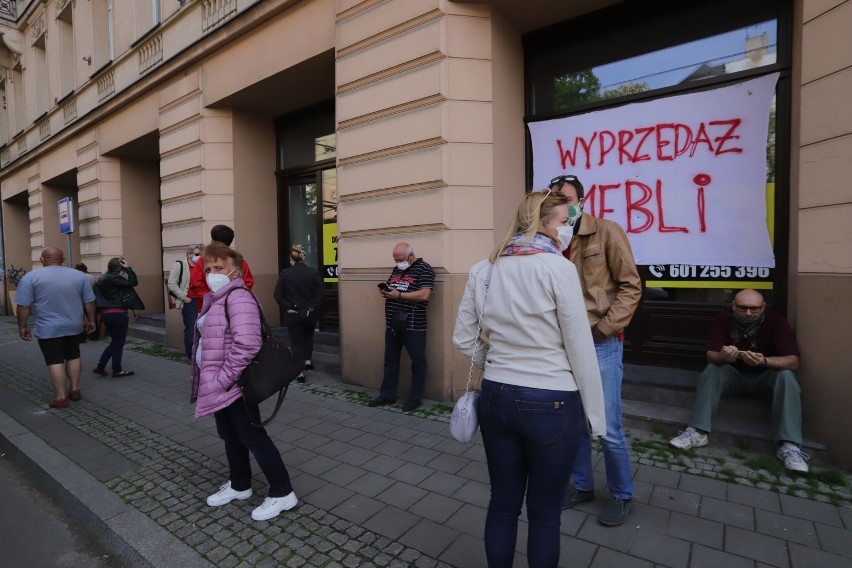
(66, 216)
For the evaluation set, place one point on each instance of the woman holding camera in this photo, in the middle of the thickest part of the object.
(111, 290)
(299, 291)
(542, 385)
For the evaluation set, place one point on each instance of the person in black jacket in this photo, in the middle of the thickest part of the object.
(111, 289)
(299, 291)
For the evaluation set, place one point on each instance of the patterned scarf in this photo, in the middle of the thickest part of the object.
(539, 243)
(746, 328)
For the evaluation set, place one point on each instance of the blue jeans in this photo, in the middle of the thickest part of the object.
(116, 324)
(415, 343)
(619, 473)
(189, 311)
(233, 423)
(531, 437)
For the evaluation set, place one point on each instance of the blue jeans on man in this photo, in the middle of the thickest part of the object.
(619, 471)
(415, 343)
(531, 437)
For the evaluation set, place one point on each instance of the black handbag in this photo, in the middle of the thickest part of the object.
(130, 300)
(272, 369)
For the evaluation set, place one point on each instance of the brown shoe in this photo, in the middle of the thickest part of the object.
(58, 403)
(74, 394)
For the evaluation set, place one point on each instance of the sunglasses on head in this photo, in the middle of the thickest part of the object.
(562, 179)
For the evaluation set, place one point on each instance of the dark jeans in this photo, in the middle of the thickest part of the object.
(116, 324)
(531, 438)
(415, 343)
(233, 423)
(189, 311)
(300, 328)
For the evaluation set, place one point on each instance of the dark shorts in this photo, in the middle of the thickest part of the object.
(57, 350)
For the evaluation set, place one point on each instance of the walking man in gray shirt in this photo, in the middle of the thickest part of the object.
(58, 296)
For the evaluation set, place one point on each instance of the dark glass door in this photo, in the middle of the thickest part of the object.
(307, 213)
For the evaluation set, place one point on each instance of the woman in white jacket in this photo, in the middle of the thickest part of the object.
(541, 373)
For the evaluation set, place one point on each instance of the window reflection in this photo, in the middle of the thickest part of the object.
(748, 47)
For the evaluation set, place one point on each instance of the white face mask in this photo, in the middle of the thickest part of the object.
(216, 281)
(195, 258)
(403, 265)
(565, 235)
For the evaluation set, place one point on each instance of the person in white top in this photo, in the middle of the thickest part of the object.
(540, 375)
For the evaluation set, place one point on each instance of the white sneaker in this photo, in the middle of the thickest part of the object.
(225, 495)
(793, 458)
(272, 506)
(689, 438)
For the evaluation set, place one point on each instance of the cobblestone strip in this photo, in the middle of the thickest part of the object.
(173, 482)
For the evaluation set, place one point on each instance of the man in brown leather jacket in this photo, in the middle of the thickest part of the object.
(611, 291)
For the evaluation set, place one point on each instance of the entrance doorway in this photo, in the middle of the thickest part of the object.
(307, 216)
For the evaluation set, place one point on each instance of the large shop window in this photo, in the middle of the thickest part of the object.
(643, 51)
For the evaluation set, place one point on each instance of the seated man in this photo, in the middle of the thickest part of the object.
(751, 351)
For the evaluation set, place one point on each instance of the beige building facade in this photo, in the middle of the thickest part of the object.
(351, 125)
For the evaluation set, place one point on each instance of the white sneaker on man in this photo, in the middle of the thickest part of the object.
(272, 507)
(225, 495)
(689, 438)
(794, 458)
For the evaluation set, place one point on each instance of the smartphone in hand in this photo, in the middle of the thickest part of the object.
(383, 286)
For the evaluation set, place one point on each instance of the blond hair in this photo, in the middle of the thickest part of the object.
(297, 253)
(534, 210)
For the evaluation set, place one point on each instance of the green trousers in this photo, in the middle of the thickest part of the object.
(781, 387)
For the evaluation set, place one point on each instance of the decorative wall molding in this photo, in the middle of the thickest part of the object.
(151, 53)
(37, 28)
(69, 110)
(106, 85)
(44, 129)
(22, 145)
(214, 12)
(60, 5)
(9, 8)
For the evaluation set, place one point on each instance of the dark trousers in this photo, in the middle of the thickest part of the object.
(116, 324)
(531, 438)
(415, 343)
(189, 311)
(300, 328)
(233, 423)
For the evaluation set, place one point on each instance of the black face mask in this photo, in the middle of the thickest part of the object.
(746, 328)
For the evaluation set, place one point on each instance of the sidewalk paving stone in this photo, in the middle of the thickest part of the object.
(696, 530)
(727, 513)
(378, 487)
(766, 549)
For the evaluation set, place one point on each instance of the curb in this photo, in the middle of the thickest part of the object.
(137, 540)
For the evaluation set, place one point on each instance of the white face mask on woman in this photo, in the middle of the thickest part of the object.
(216, 281)
(565, 235)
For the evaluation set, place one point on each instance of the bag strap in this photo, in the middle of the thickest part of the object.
(266, 331)
(180, 275)
(280, 400)
(479, 330)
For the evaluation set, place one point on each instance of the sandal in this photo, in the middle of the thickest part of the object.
(99, 371)
(122, 374)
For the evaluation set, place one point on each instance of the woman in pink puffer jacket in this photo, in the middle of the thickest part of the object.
(222, 349)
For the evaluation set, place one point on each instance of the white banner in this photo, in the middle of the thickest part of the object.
(684, 176)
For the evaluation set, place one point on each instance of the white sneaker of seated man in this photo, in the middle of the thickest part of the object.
(793, 457)
(688, 439)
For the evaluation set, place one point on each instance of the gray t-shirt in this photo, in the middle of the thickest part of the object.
(56, 295)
